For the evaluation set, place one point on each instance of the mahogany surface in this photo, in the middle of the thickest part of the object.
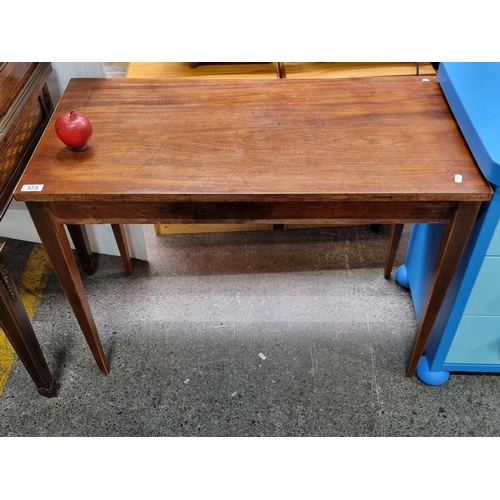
(13, 75)
(366, 150)
(380, 138)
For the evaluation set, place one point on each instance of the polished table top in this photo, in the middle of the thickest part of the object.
(381, 138)
(382, 150)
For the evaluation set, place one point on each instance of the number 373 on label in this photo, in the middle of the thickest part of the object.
(32, 187)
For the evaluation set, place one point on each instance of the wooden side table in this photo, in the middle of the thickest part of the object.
(368, 150)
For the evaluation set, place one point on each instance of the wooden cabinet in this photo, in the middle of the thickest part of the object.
(25, 108)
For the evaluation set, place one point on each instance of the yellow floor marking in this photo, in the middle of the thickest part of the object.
(7, 358)
(31, 288)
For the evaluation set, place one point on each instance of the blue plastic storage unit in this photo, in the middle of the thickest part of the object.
(466, 336)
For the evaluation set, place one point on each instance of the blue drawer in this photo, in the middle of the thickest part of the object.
(484, 299)
(494, 246)
(477, 340)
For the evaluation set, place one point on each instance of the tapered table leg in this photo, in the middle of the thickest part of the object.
(280, 70)
(453, 242)
(19, 331)
(394, 239)
(121, 241)
(56, 243)
(83, 249)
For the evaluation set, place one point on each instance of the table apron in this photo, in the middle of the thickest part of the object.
(126, 212)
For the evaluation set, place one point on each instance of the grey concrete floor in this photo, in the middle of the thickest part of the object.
(284, 333)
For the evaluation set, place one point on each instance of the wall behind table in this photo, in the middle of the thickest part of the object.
(17, 224)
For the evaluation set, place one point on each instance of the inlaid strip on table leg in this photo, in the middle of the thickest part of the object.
(121, 241)
(453, 242)
(56, 243)
(19, 331)
(394, 239)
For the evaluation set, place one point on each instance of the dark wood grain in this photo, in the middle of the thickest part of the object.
(282, 140)
(12, 78)
(346, 212)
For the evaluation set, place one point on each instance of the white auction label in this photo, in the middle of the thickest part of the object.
(32, 187)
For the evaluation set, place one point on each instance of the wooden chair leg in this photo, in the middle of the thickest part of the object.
(81, 242)
(395, 237)
(83, 249)
(121, 241)
(280, 70)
